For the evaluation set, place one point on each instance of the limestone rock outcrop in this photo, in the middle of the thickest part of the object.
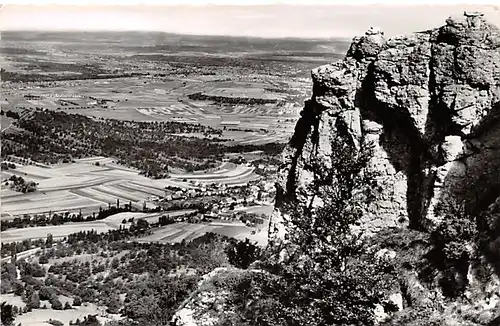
(205, 305)
(428, 103)
(211, 304)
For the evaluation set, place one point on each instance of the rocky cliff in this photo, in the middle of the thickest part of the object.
(428, 103)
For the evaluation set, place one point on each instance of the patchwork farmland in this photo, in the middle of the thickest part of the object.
(84, 186)
(173, 233)
(176, 233)
(149, 99)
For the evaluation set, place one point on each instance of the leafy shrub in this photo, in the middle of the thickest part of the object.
(77, 301)
(32, 269)
(113, 304)
(34, 301)
(30, 280)
(256, 299)
(18, 288)
(56, 304)
(454, 249)
(43, 259)
(155, 300)
(47, 293)
(8, 276)
(90, 320)
(417, 316)
(453, 235)
(55, 322)
(7, 314)
(242, 253)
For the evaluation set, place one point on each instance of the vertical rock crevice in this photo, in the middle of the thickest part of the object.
(419, 100)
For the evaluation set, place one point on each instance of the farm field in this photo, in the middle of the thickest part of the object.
(112, 222)
(259, 209)
(58, 231)
(83, 186)
(173, 233)
(227, 173)
(177, 232)
(39, 317)
(147, 99)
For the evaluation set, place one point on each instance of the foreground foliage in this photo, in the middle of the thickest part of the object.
(322, 274)
(143, 282)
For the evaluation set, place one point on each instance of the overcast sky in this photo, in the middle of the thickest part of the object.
(316, 21)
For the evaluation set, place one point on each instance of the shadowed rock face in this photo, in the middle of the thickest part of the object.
(427, 102)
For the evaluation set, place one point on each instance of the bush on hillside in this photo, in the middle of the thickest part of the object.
(242, 253)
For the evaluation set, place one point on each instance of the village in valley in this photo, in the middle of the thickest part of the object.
(126, 144)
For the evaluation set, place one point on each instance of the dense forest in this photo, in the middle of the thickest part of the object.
(151, 147)
(144, 282)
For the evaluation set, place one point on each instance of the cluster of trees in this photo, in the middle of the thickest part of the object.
(89, 320)
(41, 220)
(7, 313)
(10, 114)
(112, 210)
(231, 100)
(147, 273)
(456, 244)
(7, 165)
(166, 220)
(12, 248)
(252, 218)
(140, 228)
(61, 218)
(9, 278)
(243, 253)
(20, 185)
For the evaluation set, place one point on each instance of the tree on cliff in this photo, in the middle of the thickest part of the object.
(324, 273)
(242, 253)
(337, 281)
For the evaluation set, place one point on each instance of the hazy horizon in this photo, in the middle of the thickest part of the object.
(261, 21)
(337, 38)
